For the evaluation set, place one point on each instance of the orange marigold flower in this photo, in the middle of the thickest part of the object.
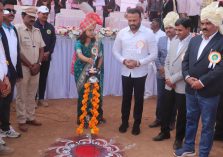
(86, 85)
(95, 130)
(79, 131)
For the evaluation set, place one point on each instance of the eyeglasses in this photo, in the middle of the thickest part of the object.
(9, 11)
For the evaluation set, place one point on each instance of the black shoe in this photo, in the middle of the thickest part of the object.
(218, 137)
(162, 136)
(154, 124)
(177, 144)
(136, 130)
(123, 128)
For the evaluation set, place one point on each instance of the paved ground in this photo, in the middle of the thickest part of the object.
(59, 121)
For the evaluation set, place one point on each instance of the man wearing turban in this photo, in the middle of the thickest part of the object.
(163, 47)
(202, 69)
(174, 94)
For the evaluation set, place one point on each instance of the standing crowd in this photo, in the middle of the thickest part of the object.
(25, 54)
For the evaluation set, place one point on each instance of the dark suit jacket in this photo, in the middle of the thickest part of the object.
(167, 7)
(108, 5)
(211, 78)
(13, 72)
(48, 38)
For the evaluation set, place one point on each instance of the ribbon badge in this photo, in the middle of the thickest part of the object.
(94, 51)
(214, 58)
(140, 44)
(48, 31)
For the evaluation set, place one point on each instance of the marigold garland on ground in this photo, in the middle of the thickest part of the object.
(94, 111)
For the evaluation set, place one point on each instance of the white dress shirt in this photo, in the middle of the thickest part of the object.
(169, 42)
(193, 7)
(140, 46)
(182, 43)
(204, 44)
(12, 40)
(3, 64)
(182, 6)
(159, 34)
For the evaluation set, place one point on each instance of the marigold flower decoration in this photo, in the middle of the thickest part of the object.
(94, 111)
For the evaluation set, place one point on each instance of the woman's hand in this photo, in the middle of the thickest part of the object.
(90, 61)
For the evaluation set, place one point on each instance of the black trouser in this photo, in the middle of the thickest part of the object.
(43, 78)
(219, 118)
(128, 85)
(161, 101)
(5, 108)
(194, 23)
(171, 99)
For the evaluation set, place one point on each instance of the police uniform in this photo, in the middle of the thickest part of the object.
(30, 43)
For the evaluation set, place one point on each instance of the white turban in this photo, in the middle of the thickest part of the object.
(170, 19)
(214, 14)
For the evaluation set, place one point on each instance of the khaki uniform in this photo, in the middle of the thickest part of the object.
(30, 42)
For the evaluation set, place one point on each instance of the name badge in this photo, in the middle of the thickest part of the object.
(48, 31)
(214, 58)
(140, 44)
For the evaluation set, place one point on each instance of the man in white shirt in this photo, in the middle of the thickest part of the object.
(135, 47)
(11, 46)
(163, 48)
(5, 87)
(155, 26)
(202, 69)
(4, 82)
(181, 7)
(3, 65)
(193, 12)
(175, 85)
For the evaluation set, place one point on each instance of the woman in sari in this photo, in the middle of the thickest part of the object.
(85, 60)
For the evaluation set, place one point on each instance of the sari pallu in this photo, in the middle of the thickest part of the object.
(80, 73)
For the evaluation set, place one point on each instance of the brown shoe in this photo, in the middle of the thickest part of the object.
(33, 122)
(23, 127)
(43, 103)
